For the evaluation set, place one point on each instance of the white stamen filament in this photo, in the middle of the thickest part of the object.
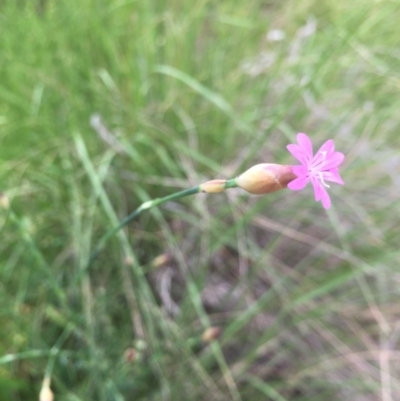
(323, 159)
(316, 170)
(321, 178)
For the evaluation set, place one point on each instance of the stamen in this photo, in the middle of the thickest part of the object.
(321, 178)
(322, 163)
(318, 161)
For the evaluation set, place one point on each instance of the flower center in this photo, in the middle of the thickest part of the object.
(316, 167)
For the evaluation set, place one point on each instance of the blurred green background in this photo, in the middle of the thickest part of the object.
(107, 103)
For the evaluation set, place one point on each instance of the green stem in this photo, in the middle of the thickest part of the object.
(231, 183)
(148, 205)
(144, 206)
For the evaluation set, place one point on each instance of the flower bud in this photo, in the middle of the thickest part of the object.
(161, 260)
(265, 178)
(45, 393)
(213, 186)
(210, 334)
(130, 355)
(4, 201)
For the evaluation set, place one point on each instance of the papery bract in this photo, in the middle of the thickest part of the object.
(318, 169)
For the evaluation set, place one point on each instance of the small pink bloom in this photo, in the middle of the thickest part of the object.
(318, 169)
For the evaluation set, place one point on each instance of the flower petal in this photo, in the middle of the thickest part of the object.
(333, 160)
(333, 176)
(321, 193)
(298, 183)
(328, 147)
(297, 152)
(300, 171)
(305, 144)
(326, 200)
(316, 183)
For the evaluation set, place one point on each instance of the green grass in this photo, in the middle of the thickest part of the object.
(190, 91)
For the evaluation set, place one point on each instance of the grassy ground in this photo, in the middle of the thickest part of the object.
(306, 301)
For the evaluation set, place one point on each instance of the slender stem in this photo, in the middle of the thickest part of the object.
(231, 183)
(148, 205)
(144, 206)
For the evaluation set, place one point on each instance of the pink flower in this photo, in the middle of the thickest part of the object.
(318, 169)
